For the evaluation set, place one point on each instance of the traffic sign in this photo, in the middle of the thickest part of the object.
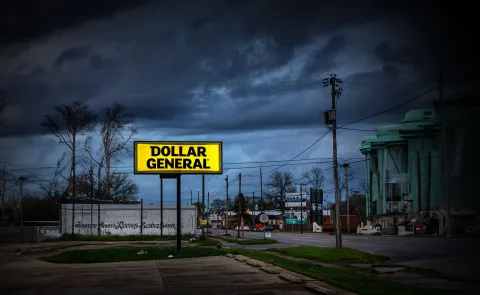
(263, 218)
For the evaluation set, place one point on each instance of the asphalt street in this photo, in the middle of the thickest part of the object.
(458, 256)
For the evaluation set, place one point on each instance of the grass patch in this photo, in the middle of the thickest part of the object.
(116, 238)
(206, 242)
(331, 255)
(253, 241)
(118, 254)
(364, 284)
(427, 272)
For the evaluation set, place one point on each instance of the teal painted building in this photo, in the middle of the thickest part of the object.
(405, 166)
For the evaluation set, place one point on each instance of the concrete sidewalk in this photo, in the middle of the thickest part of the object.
(210, 275)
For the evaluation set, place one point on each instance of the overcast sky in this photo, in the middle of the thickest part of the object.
(247, 73)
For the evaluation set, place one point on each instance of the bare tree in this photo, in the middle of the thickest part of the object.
(363, 188)
(94, 160)
(116, 131)
(280, 183)
(314, 177)
(67, 124)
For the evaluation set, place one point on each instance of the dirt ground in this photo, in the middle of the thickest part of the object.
(210, 275)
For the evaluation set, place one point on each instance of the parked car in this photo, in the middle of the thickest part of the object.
(267, 228)
(245, 228)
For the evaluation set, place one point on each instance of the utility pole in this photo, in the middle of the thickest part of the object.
(4, 190)
(301, 209)
(346, 166)
(191, 198)
(21, 181)
(261, 191)
(239, 204)
(90, 174)
(198, 209)
(208, 201)
(253, 209)
(444, 149)
(331, 119)
(226, 213)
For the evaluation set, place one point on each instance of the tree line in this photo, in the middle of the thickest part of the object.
(95, 142)
(88, 163)
(280, 183)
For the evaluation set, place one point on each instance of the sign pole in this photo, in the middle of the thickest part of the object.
(161, 205)
(179, 211)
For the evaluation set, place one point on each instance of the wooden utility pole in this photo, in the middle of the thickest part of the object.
(332, 120)
(90, 174)
(226, 213)
(208, 200)
(346, 166)
(239, 203)
(261, 191)
(4, 190)
(191, 197)
(444, 152)
(301, 209)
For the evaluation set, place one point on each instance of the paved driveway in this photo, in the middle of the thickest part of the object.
(210, 275)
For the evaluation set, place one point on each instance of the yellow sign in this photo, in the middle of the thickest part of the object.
(154, 157)
(203, 222)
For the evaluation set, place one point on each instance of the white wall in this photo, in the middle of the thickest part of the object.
(119, 219)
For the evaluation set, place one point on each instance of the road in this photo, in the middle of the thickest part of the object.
(457, 256)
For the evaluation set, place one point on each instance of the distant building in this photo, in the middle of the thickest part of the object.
(405, 167)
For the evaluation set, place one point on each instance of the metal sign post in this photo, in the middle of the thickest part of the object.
(263, 218)
(316, 199)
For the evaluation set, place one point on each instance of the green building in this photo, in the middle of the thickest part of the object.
(406, 164)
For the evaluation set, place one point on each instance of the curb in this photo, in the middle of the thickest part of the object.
(254, 263)
(284, 275)
(269, 270)
(289, 278)
(318, 289)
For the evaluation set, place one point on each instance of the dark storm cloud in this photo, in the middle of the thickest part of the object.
(323, 59)
(228, 45)
(26, 19)
(72, 54)
(36, 97)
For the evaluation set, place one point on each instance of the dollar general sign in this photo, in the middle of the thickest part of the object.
(177, 157)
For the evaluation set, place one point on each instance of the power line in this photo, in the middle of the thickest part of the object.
(392, 108)
(301, 153)
(227, 163)
(361, 119)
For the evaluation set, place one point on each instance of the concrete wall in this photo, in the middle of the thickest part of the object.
(119, 219)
